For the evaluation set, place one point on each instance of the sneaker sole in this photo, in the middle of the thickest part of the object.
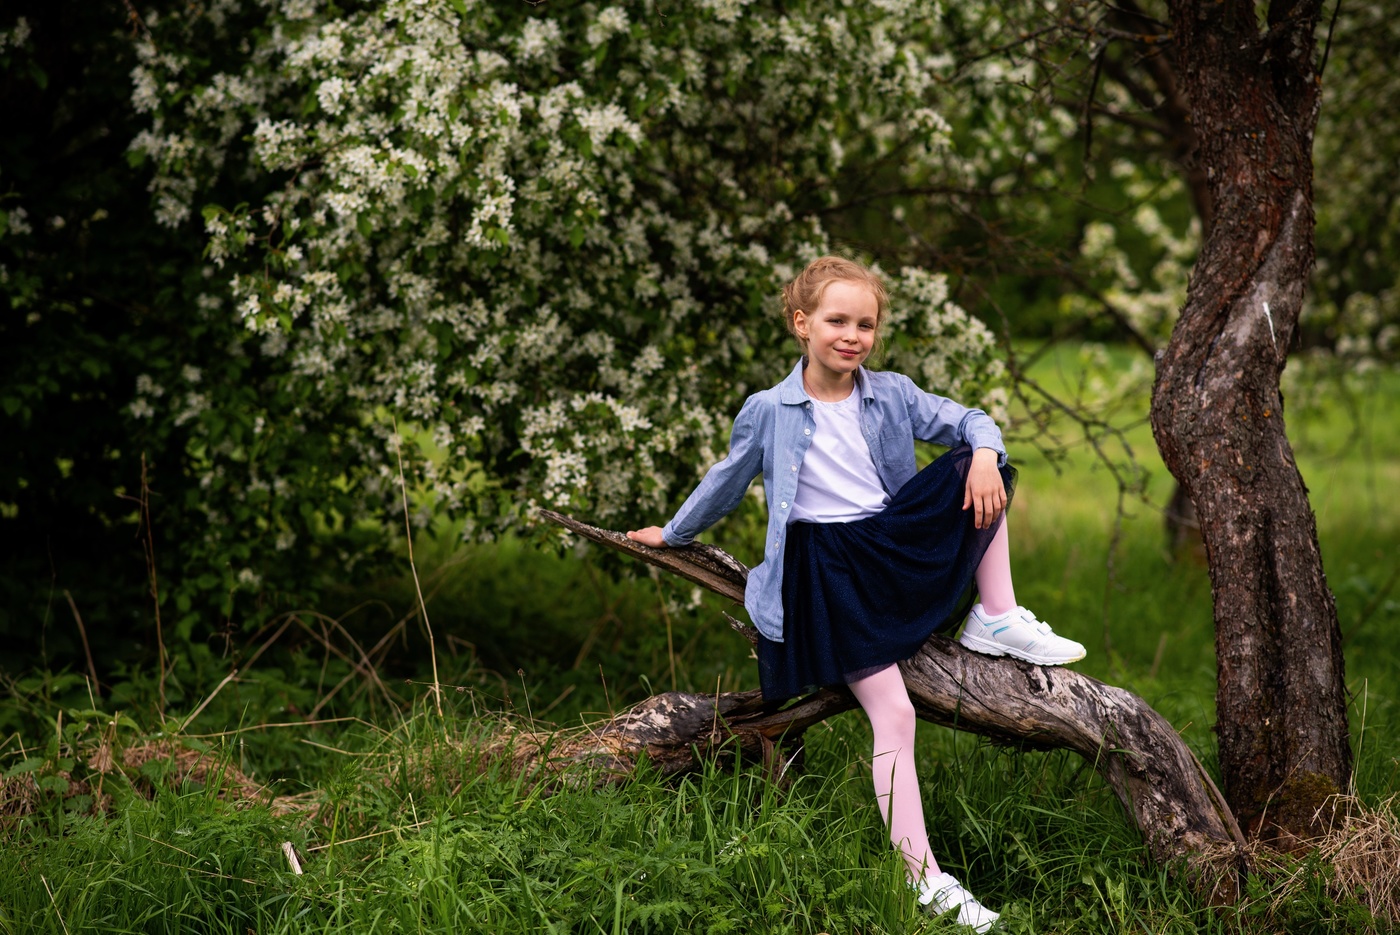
(990, 648)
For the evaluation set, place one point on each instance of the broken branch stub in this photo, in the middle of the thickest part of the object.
(1155, 776)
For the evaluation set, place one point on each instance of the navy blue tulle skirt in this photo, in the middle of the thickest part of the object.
(861, 596)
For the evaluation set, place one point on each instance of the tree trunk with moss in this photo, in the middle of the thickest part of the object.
(1217, 412)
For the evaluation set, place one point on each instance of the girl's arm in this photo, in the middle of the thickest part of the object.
(935, 418)
(722, 488)
(939, 419)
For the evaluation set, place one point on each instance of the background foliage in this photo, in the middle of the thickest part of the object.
(254, 252)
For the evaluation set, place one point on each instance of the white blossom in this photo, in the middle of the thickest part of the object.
(145, 386)
(609, 22)
(537, 39)
(329, 94)
(16, 36)
(17, 222)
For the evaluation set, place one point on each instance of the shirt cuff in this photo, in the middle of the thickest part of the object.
(674, 539)
(994, 444)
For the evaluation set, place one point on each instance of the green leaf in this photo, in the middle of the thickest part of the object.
(184, 627)
(24, 766)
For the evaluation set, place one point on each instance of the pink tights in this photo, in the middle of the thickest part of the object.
(886, 703)
(994, 575)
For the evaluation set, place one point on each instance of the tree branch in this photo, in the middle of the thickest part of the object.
(1154, 775)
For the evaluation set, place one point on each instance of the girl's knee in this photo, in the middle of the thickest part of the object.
(894, 721)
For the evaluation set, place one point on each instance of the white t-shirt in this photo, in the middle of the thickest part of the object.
(838, 482)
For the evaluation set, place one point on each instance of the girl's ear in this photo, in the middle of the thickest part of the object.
(799, 323)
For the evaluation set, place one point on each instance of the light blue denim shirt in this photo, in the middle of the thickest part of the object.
(771, 436)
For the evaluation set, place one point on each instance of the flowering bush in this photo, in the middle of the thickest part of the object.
(547, 243)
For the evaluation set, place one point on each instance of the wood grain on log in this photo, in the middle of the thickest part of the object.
(1156, 777)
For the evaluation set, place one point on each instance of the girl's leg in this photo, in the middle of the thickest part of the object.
(994, 575)
(886, 703)
(1000, 627)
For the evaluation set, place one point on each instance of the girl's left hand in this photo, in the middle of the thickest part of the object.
(986, 494)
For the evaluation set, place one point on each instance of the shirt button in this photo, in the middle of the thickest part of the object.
(794, 467)
(806, 431)
(785, 504)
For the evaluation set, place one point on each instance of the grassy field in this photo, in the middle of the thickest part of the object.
(402, 824)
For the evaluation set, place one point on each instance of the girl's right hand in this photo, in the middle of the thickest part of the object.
(650, 536)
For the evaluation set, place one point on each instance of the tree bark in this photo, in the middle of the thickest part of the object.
(1217, 413)
(1161, 785)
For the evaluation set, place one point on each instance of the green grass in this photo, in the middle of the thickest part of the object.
(413, 831)
(459, 846)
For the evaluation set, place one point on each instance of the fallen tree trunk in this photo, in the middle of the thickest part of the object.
(1162, 786)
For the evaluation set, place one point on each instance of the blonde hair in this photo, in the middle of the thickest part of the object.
(804, 293)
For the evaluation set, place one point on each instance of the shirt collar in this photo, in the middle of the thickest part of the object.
(792, 393)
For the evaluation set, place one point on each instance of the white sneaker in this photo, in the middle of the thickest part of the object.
(944, 893)
(1017, 633)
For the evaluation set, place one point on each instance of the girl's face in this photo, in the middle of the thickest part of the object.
(840, 331)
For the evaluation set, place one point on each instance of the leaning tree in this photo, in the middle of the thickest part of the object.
(1217, 412)
(1229, 93)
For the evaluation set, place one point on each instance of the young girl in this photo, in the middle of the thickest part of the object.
(865, 556)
